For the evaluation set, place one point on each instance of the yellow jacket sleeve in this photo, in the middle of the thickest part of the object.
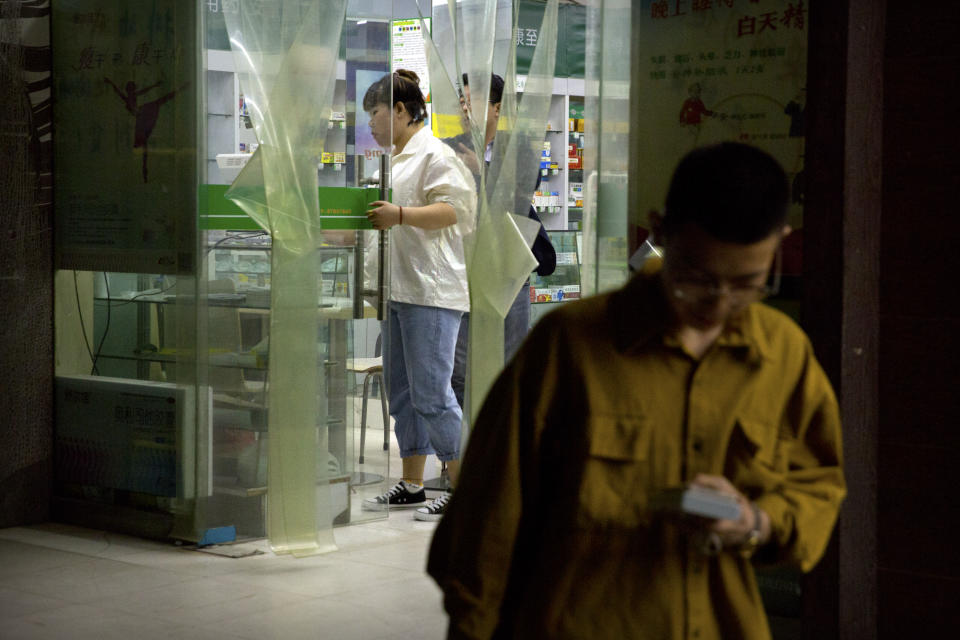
(803, 498)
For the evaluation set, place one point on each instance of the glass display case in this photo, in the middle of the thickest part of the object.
(189, 323)
(564, 283)
(137, 334)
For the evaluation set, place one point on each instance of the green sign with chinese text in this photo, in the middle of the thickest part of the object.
(571, 37)
(340, 208)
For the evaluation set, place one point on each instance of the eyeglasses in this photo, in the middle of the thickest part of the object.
(701, 288)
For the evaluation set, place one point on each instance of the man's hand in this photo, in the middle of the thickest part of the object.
(468, 158)
(731, 534)
(383, 215)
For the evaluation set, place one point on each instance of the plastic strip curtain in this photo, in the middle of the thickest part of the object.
(447, 117)
(467, 33)
(286, 54)
(499, 259)
(499, 242)
(607, 107)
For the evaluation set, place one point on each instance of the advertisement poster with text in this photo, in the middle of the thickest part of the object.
(408, 50)
(126, 142)
(720, 70)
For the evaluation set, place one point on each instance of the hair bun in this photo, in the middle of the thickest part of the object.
(409, 75)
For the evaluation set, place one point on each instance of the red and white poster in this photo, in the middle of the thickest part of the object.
(716, 70)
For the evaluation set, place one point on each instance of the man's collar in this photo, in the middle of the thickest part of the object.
(642, 315)
(745, 332)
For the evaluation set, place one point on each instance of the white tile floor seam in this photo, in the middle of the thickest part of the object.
(58, 581)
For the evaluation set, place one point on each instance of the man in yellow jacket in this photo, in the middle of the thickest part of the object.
(567, 521)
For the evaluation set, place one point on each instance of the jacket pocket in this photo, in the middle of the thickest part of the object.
(614, 482)
(761, 439)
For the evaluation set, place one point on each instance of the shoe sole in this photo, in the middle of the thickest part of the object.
(382, 507)
(427, 517)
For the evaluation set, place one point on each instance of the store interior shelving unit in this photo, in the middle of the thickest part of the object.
(559, 202)
(561, 181)
(563, 285)
(560, 189)
(574, 158)
(554, 206)
(229, 131)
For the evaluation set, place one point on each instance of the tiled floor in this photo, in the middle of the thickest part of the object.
(59, 581)
(63, 582)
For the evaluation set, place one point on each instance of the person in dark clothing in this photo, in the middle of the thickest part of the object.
(517, 321)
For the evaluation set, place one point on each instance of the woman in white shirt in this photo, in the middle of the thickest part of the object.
(433, 208)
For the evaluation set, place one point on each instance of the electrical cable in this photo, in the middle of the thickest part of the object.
(245, 236)
(122, 301)
(83, 328)
(94, 357)
(106, 328)
(252, 234)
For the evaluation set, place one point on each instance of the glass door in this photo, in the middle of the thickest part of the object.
(353, 172)
(296, 428)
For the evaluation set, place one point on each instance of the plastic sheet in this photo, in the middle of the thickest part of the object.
(498, 240)
(607, 105)
(499, 259)
(286, 53)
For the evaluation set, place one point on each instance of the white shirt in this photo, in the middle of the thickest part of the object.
(428, 267)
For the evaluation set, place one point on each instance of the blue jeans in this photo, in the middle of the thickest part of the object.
(418, 348)
(515, 327)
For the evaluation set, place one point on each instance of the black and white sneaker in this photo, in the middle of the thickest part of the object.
(434, 510)
(399, 497)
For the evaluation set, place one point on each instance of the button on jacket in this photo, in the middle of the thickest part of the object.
(549, 534)
(428, 266)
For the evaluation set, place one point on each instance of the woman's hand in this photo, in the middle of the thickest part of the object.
(383, 215)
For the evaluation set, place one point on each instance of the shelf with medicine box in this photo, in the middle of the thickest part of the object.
(548, 198)
(558, 169)
(575, 144)
(146, 329)
(564, 283)
(230, 131)
(248, 266)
